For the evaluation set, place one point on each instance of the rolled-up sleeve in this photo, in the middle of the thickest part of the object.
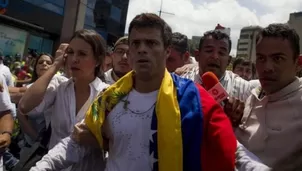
(49, 96)
(63, 155)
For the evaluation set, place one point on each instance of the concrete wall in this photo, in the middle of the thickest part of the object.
(74, 18)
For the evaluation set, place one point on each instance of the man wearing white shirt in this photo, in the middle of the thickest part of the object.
(5, 71)
(6, 119)
(119, 61)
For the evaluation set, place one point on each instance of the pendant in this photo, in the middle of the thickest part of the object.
(126, 102)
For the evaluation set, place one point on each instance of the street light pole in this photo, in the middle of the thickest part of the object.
(161, 7)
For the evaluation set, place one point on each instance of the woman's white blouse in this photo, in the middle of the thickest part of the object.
(60, 96)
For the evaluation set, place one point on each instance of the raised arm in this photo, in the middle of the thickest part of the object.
(35, 94)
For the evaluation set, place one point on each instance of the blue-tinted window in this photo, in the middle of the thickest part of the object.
(56, 6)
(47, 46)
(115, 13)
(40, 44)
(103, 34)
(89, 17)
(110, 1)
(88, 27)
(60, 3)
(91, 3)
(35, 43)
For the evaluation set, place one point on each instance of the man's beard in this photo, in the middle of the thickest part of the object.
(119, 74)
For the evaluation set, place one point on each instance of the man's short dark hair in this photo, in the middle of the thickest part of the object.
(241, 61)
(244, 62)
(218, 35)
(150, 20)
(278, 30)
(180, 42)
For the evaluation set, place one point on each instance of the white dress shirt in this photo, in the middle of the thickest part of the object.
(63, 118)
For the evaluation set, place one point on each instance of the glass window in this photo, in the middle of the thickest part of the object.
(91, 3)
(89, 17)
(47, 46)
(103, 34)
(40, 44)
(110, 1)
(53, 8)
(115, 13)
(56, 6)
(244, 36)
(12, 41)
(60, 3)
(35, 43)
(88, 27)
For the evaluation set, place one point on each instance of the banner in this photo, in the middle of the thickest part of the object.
(12, 41)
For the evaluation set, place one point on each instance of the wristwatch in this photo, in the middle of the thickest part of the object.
(7, 132)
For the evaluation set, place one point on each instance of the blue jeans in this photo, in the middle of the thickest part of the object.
(9, 161)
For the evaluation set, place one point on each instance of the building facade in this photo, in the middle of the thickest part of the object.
(41, 25)
(107, 17)
(30, 24)
(246, 46)
(295, 21)
(223, 29)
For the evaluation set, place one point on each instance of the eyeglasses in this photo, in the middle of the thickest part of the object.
(121, 52)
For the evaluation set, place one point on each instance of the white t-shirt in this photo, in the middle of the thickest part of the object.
(7, 75)
(5, 104)
(129, 133)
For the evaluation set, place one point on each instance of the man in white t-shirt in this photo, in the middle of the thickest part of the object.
(6, 72)
(154, 120)
(6, 119)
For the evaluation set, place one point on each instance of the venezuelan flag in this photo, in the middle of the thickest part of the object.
(177, 121)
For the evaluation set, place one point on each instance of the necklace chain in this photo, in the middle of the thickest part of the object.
(127, 102)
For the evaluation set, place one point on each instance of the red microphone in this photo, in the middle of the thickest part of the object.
(211, 83)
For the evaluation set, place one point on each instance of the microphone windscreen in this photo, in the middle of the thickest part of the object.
(209, 80)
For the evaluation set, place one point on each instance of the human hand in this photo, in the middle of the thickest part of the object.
(5, 140)
(234, 110)
(60, 55)
(82, 135)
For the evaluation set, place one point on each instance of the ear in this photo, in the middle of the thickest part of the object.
(168, 52)
(196, 53)
(186, 57)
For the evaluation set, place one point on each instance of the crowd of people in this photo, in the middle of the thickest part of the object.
(146, 104)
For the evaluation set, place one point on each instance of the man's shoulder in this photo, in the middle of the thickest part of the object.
(236, 79)
(188, 71)
(181, 81)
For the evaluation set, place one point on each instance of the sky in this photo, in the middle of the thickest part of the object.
(194, 17)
